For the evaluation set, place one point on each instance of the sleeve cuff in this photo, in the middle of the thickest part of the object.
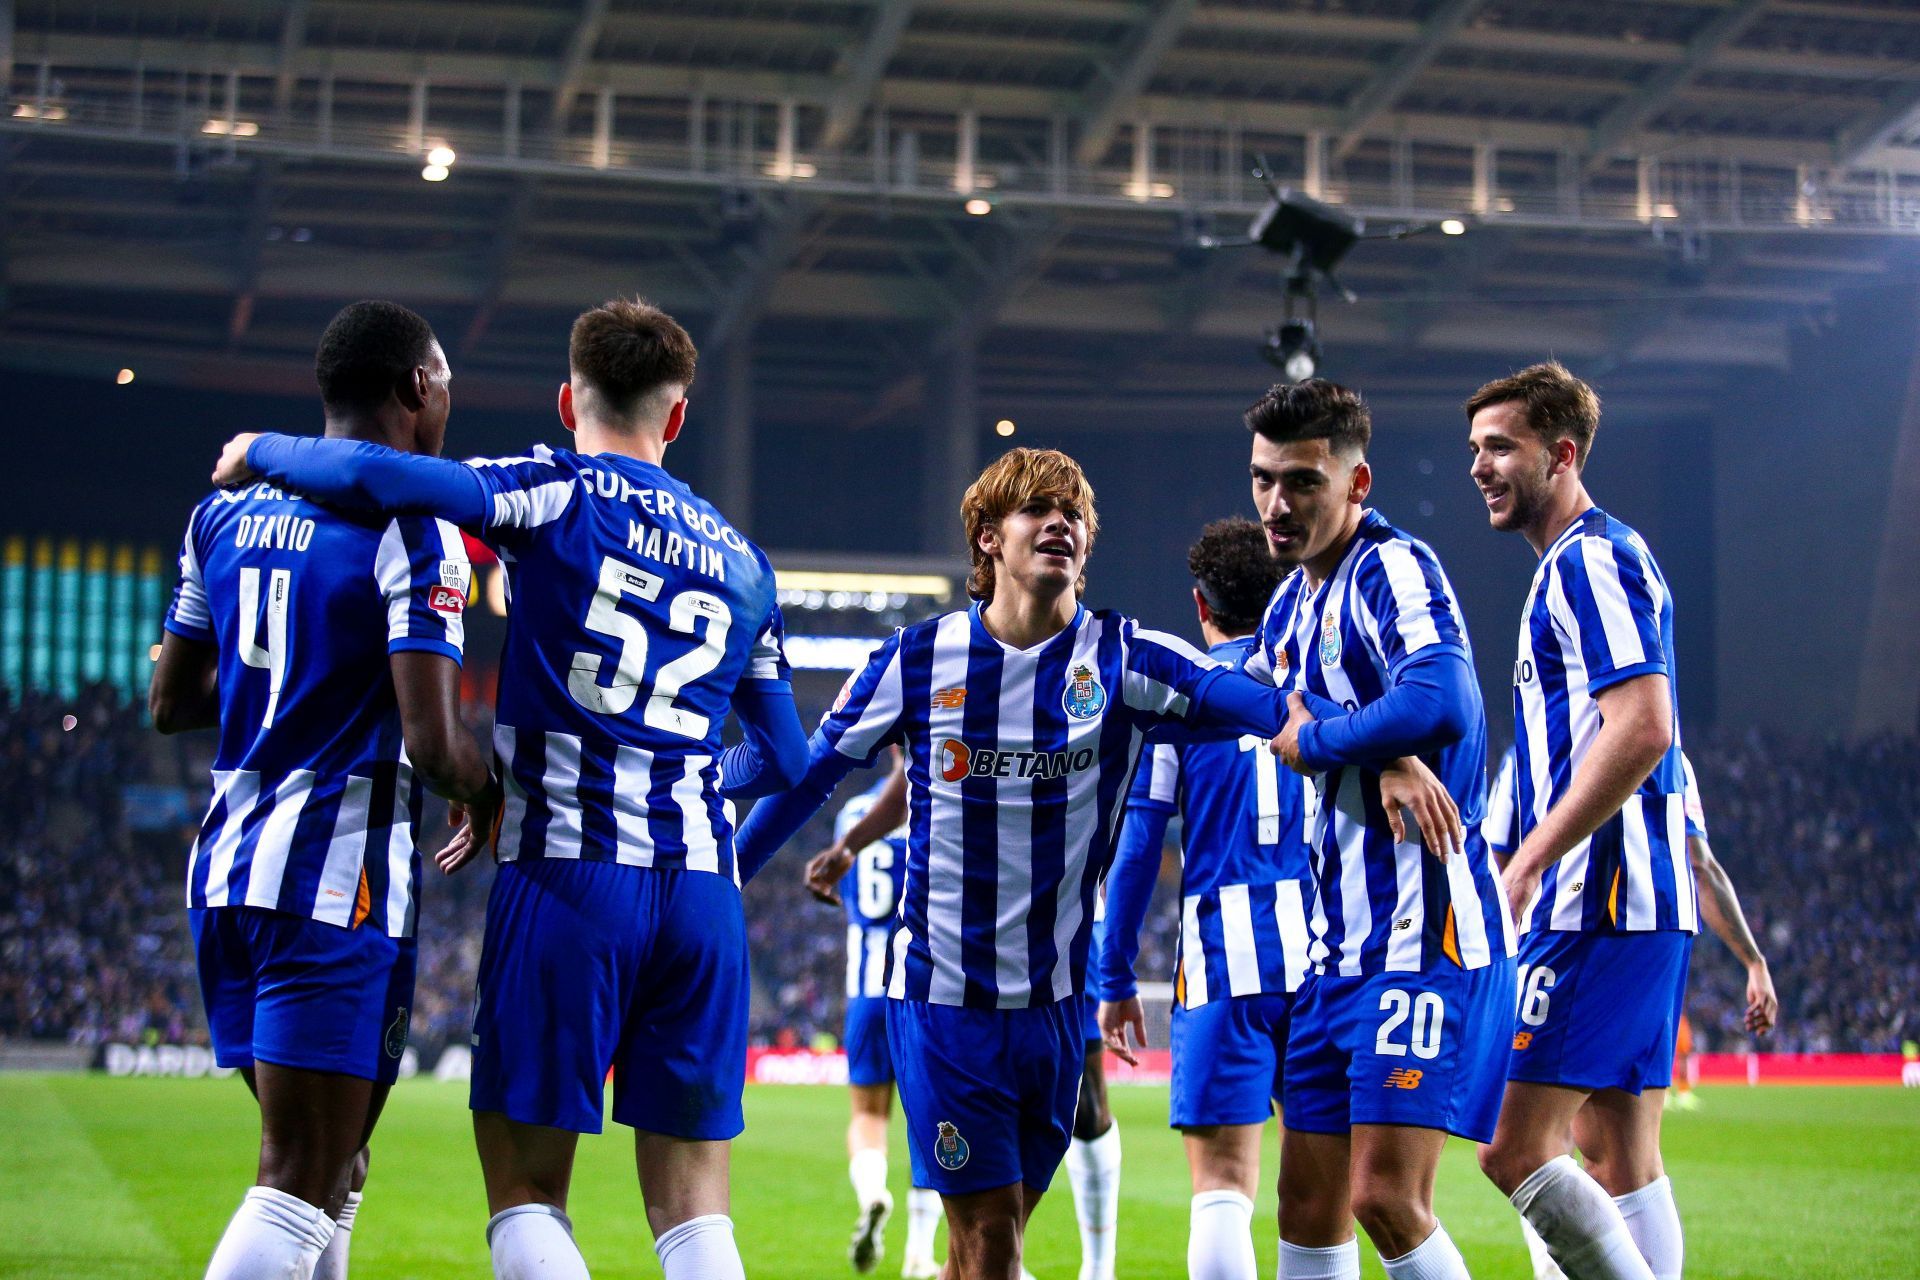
(1620, 675)
(423, 644)
(188, 631)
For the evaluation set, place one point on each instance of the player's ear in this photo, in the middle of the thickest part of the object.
(566, 406)
(1566, 455)
(412, 390)
(988, 539)
(1361, 482)
(1200, 606)
(676, 419)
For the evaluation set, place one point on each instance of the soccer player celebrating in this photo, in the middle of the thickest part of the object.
(1243, 935)
(1022, 719)
(327, 651)
(1600, 882)
(862, 870)
(614, 932)
(1400, 1030)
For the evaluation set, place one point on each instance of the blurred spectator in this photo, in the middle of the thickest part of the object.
(1821, 840)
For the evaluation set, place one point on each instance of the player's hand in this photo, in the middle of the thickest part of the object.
(476, 823)
(1115, 1016)
(1520, 882)
(1409, 784)
(232, 469)
(1763, 1006)
(1286, 744)
(824, 870)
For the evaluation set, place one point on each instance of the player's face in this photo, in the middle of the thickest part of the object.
(430, 426)
(1041, 545)
(1307, 496)
(1512, 466)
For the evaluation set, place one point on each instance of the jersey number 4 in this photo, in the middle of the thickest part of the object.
(685, 613)
(272, 657)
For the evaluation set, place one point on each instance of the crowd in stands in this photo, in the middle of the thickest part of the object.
(1820, 839)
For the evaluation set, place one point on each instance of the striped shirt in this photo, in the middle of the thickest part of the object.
(1503, 806)
(1380, 906)
(1599, 613)
(1018, 762)
(870, 891)
(636, 611)
(314, 811)
(1244, 879)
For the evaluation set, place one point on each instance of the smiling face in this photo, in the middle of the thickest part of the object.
(1514, 466)
(1040, 547)
(1308, 497)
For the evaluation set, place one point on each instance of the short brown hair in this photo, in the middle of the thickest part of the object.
(627, 349)
(1557, 405)
(1011, 481)
(1313, 410)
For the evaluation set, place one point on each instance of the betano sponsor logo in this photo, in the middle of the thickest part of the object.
(957, 760)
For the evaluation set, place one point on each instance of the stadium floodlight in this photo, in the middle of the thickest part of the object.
(442, 155)
(979, 206)
(435, 173)
(1453, 227)
(1293, 348)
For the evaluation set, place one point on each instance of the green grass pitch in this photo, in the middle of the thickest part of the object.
(103, 1178)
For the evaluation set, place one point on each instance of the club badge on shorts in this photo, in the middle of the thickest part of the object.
(397, 1032)
(949, 1148)
(1084, 697)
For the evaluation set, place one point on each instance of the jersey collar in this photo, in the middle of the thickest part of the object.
(1066, 636)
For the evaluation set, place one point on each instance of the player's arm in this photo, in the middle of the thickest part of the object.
(1428, 706)
(1136, 866)
(824, 869)
(185, 691)
(774, 755)
(443, 752)
(1720, 908)
(360, 476)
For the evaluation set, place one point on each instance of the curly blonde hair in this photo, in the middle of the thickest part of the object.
(1011, 481)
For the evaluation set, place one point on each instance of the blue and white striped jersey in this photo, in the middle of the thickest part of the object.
(1244, 878)
(1378, 906)
(636, 611)
(870, 891)
(1696, 811)
(1503, 806)
(314, 810)
(1599, 613)
(1018, 762)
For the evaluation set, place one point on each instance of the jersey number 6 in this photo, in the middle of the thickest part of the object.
(684, 614)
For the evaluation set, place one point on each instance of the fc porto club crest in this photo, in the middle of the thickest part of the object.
(397, 1032)
(1329, 640)
(949, 1148)
(1084, 697)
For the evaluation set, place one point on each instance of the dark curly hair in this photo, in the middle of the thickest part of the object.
(1313, 410)
(1235, 572)
(366, 350)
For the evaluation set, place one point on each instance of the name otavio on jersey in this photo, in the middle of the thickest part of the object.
(267, 533)
(666, 546)
(958, 760)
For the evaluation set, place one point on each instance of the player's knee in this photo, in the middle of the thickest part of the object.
(357, 1175)
(1622, 1172)
(1395, 1221)
(1312, 1216)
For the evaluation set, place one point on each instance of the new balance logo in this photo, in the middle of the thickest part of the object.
(1522, 1040)
(1403, 1078)
(951, 698)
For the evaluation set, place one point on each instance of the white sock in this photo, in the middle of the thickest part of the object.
(1335, 1262)
(1580, 1223)
(273, 1236)
(1544, 1267)
(1434, 1258)
(1220, 1238)
(1653, 1220)
(923, 1220)
(867, 1170)
(534, 1242)
(333, 1263)
(701, 1249)
(1093, 1167)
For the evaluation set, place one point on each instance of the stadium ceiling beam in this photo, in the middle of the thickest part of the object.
(1892, 122)
(1127, 76)
(253, 239)
(1648, 100)
(861, 70)
(574, 62)
(1379, 94)
(746, 298)
(293, 35)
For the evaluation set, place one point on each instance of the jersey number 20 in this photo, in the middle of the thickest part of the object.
(684, 614)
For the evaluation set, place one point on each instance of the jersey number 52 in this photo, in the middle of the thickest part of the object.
(685, 614)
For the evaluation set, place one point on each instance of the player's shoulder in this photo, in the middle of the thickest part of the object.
(1383, 542)
(1596, 530)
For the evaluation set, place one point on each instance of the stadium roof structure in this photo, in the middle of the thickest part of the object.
(1665, 187)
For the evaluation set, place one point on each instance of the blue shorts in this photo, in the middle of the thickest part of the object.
(1228, 1056)
(1423, 1049)
(868, 1061)
(303, 993)
(589, 966)
(1599, 1010)
(989, 1094)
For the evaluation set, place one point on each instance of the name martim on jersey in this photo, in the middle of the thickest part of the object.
(637, 610)
(1599, 613)
(1381, 906)
(1244, 878)
(870, 892)
(1018, 762)
(315, 811)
